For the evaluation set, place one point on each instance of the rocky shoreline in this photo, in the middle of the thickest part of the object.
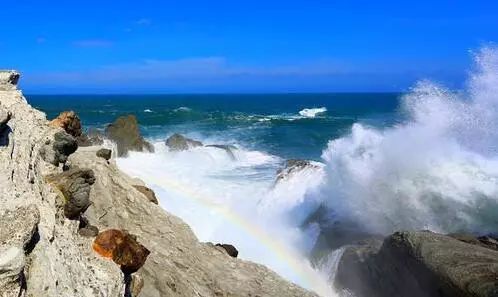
(54, 199)
(73, 224)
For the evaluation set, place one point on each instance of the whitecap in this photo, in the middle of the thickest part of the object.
(312, 112)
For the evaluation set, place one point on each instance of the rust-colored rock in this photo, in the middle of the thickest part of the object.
(69, 121)
(122, 248)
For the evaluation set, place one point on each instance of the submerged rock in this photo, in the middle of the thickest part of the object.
(229, 249)
(69, 122)
(293, 166)
(178, 142)
(226, 147)
(126, 134)
(104, 154)
(412, 264)
(57, 151)
(75, 185)
(122, 248)
(148, 193)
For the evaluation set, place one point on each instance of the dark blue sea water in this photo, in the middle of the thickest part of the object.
(266, 122)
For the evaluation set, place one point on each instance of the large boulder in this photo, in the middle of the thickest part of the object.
(412, 264)
(178, 142)
(69, 122)
(126, 134)
(75, 185)
(104, 153)
(229, 249)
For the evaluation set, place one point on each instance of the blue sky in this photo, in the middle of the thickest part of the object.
(241, 46)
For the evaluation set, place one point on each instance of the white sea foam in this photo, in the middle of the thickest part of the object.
(438, 170)
(147, 110)
(239, 200)
(182, 109)
(312, 112)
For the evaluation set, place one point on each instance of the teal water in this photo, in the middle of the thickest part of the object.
(266, 122)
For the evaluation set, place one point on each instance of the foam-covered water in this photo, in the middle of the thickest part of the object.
(427, 159)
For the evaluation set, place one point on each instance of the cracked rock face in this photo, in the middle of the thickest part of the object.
(5, 116)
(75, 185)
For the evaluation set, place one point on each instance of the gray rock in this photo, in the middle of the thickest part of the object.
(18, 226)
(58, 150)
(12, 264)
(227, 148)
(126, 134)
(104, 154)
(75, 185)
(412, 264)
(178, 142)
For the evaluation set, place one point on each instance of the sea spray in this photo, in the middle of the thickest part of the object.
(235, 200)
(438, 170)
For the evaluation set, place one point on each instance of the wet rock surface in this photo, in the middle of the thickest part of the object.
(423, 263)
(126, 134)
(293, 166)
(178, 142)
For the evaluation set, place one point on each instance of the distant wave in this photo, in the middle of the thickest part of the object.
(147, 110)
(312, 112)
(182, 109)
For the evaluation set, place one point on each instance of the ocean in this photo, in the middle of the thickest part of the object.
(423, 159)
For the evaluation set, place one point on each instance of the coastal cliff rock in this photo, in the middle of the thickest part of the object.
(292, 166)
(178, 142)
(43, 253)
(412, 264)
(125, 133)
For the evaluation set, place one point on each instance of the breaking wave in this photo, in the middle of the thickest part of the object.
(312, 112)
(438, 170)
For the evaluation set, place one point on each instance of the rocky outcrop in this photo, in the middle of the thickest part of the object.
(8, 80)
(410, 264)
(46, 254)
(489, 241)
(126, 134)
(178, 142)
(69, 122)
(148, 193)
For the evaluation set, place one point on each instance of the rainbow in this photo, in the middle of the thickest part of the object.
(282, 252)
